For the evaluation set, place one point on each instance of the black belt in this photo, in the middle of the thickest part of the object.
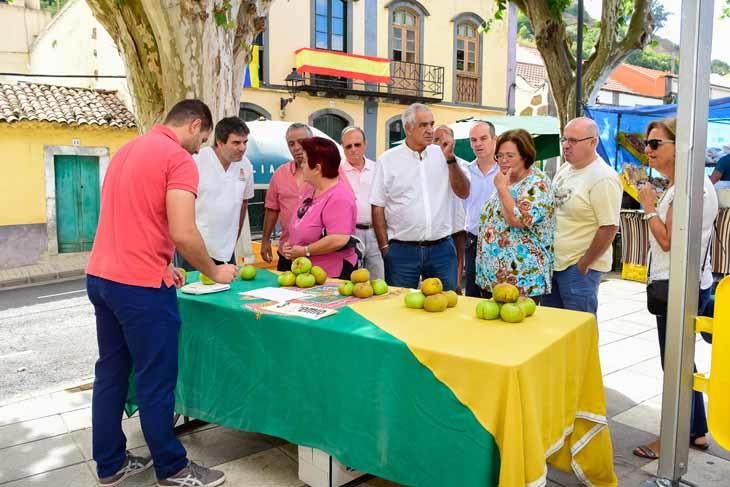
(363, 226)
(422, 243)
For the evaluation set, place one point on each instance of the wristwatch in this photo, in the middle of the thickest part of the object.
(451, 161)
(306, 251)
(649, 216)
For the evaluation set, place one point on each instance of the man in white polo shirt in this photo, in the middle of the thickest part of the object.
(226, 185)
(359, 171)
(411, 198)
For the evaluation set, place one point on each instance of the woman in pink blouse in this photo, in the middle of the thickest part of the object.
(325, 220)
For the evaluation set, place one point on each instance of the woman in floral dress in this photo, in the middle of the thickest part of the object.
(517, 222)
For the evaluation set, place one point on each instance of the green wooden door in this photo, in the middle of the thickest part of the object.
(77, 201)
(331, 125)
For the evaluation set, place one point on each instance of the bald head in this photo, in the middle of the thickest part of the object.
(442, 133)
(580, 139)
(585, 125)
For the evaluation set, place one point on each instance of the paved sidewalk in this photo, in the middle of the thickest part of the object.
(62, 266)
(46, 440)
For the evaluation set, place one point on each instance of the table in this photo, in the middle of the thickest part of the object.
(417, 398)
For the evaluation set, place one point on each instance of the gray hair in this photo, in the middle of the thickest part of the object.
(299, 125)
(350, 129)
(409, 115)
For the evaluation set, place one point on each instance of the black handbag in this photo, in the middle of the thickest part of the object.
(657, 292)
(657, 295)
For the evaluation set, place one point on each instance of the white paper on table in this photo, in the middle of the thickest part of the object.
(277, 294)
(298, 309)
(198, 287)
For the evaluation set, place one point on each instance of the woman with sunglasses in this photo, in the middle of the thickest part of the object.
(660, 148)
(327, 213)
(517, 223)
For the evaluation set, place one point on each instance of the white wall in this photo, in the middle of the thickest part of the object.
(624, 99)
(75, 43)
(20, 23)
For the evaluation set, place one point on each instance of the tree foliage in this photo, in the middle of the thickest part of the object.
(720, 67)
(625, 26)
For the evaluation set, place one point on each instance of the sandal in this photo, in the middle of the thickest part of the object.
(644, 451)
(699, 446)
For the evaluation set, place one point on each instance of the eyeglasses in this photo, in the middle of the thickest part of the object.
(507, 155)
(356, 145)
(655, 143)
(572, 141)
(305, 206)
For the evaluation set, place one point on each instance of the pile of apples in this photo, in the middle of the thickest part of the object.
(431, 297)
(507, 304)
(303, 274)
(361, 286)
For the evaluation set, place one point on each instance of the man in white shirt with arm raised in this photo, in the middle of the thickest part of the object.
(411, 198)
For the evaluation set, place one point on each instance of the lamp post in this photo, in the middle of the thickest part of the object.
(293, 81)
(579, 62)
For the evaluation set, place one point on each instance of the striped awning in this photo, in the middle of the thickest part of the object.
(334, 63)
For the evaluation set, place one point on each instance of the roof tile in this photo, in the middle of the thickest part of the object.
(73, 106)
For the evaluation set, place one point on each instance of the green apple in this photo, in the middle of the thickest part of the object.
(346, 288)
(205, 279)
(379, 287)
(320, 275)
(301, 265)
(248, 272)
(287, 279)
(528, 305)
(511, 313)
(305, 280)
(415, 300)
(487, 310)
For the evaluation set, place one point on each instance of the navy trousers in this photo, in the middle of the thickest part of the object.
(137, 330)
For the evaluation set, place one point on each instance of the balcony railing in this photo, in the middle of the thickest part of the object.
(410, 82)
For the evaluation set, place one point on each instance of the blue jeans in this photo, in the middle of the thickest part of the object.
(573, 290)
(698, 418)
(137, 329)
(406, 264)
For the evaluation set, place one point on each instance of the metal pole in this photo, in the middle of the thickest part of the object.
(579, 62)
(694, 86)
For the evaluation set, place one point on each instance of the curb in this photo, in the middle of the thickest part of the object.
(59, 276)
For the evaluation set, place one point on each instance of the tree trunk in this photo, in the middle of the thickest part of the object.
(560, 61)
(176, 49)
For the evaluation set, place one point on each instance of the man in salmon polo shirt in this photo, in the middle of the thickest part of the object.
(147, 209)
(282, 197)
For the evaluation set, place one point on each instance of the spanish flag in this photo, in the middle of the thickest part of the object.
(251, 76)
(335, 63)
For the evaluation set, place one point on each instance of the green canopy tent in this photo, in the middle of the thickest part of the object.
(544, 130)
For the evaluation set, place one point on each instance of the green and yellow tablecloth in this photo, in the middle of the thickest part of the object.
(422, 399)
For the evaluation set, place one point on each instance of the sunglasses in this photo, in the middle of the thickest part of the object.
(305, 206)
(356, 145)
(655, 143)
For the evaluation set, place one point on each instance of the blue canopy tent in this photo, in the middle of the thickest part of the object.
(612, 120)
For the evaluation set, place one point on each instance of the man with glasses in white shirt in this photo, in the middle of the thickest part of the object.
(359, 171)
(588, 202)
(411, 198)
